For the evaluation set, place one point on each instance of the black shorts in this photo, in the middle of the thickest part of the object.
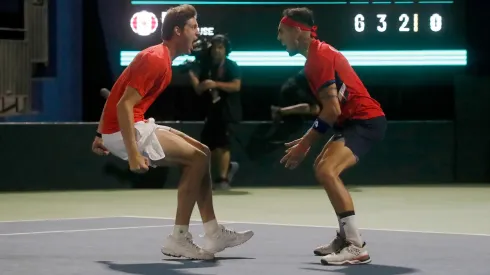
(216, 134)
(360, 135)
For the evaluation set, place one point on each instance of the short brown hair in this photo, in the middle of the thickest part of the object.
(176, 17)
(301, 15)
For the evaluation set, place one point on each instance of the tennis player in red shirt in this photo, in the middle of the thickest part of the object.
(357, 120)
(124, 132)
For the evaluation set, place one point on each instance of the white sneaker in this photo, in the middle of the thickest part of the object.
(185, 247)
(349, 255)
(337, 244)
(225, 238)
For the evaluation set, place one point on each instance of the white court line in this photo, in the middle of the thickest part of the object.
(89, 230)
(257, 223)
(62, 219)
(326, 226)
(83, 230)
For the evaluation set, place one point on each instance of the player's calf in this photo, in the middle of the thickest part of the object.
(341, 201)
(335, 159)
(190, 186)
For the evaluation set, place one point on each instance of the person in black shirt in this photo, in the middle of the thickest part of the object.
(296, 87)
(218, 80)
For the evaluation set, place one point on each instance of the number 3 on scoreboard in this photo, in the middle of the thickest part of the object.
(382, 21)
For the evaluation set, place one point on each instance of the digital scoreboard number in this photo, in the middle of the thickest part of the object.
(406, 22)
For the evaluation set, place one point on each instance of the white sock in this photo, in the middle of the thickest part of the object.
(210, 227)
(351, 231)
(180, 230)
(341, 227)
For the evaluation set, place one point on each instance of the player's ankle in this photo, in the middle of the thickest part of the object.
(210, 227)
(347, 222)
(180, 230)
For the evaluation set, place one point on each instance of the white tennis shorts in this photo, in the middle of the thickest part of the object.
(146, 140)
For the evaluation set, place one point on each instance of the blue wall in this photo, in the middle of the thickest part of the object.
(59, 98)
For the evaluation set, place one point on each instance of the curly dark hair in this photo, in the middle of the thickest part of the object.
(301, 15)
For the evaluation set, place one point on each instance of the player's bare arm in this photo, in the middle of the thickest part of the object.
(98, 144)
(329, 113)
(328, 116)
(125, 118)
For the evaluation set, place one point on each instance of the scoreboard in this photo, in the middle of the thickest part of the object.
(369, 33)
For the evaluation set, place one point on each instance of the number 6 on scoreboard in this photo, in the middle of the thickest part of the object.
(359, 24)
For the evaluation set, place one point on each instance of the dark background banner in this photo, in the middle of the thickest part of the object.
(253, 27)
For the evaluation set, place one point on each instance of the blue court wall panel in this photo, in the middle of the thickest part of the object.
(59, 97)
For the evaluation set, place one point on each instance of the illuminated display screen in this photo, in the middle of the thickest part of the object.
(369, 33)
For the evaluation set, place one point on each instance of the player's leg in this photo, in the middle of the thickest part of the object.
(205, 198)
(320, 156)
(340, 154)
(217, 237)
(207, 138)
(337, 158)
(339, 241)
(195, 164)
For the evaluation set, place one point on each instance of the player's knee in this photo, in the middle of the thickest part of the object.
(200, 158)
(325, 174)
(205, 149)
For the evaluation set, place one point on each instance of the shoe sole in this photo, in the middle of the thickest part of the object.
(320, 254)
(348, 262)
(182, 256)
(231, 246)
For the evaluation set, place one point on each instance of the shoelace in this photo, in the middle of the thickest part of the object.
(224, 231)
(228, 231)
(192, 243)
(346, 245)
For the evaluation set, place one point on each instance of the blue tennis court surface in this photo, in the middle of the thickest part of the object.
(131, 245)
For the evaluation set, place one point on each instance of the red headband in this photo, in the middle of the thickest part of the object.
(290, 22)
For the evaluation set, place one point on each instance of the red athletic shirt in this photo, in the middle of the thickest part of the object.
(149, 73)
(326, 66)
